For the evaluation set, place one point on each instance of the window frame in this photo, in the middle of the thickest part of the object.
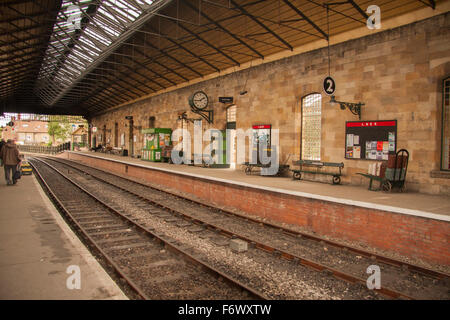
(231, 124)
(302, 127)
(441, 165)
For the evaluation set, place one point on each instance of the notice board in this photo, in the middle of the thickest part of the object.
(370, 140)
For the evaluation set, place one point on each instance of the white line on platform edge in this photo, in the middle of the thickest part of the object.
(369, 205)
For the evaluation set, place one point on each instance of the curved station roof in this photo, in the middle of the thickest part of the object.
(83, 57)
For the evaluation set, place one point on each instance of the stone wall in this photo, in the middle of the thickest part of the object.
(397, 73)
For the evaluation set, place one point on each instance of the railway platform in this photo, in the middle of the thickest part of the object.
(37, 249)
(410, 226)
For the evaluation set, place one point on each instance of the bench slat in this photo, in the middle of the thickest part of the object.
(317, 163)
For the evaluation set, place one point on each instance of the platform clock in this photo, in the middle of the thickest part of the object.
(199, 100)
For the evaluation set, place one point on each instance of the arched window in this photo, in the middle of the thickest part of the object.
(311, 127)
(116, 134)
(231, 117)
(445, 160)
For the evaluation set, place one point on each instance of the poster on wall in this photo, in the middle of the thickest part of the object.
(370, 140)
(261, 137)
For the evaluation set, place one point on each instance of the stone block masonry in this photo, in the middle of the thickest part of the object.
(397, 73)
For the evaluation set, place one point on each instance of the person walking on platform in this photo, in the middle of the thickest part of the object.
(2, 143)
(10, 158)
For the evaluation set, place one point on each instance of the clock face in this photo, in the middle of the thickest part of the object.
(199, 100)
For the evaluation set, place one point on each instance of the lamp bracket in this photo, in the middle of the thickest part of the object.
(354, 108)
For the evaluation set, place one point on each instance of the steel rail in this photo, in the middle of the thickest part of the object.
(367, 254)
(171, 246)
(61, 206)
(260, 245)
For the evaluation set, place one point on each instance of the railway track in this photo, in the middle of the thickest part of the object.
(151, 265)
(406, 282)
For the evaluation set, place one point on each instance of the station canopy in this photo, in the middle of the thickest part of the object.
(84, 57)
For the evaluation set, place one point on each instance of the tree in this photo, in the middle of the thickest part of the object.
(58, 130)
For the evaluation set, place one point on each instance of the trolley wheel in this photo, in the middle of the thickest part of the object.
(248, 170)
(297, 175)
(205, 165)
(336, 180)
(386, 186)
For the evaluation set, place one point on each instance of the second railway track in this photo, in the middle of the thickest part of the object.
(334, 261)
(152, 266)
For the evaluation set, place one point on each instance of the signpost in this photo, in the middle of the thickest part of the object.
(226, 99)
(329, 85)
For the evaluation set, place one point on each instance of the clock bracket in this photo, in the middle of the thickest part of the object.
(208, 115)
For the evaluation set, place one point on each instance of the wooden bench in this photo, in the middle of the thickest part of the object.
(250, 166)
(116, 151)
(205, 159)
(318, 165)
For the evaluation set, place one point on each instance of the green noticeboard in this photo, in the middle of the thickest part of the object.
(155, 139)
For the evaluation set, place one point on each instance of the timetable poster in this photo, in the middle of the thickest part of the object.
(370, 140)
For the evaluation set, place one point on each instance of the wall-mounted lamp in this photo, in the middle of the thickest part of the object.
(354, 108)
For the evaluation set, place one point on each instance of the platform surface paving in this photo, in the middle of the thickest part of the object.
(37, 247)
(410, 202)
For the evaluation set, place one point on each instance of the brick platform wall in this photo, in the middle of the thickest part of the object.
(410, 236)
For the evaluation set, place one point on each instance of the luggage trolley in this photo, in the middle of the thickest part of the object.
(395, 174)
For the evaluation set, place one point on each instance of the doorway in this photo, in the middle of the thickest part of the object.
(231, 130)
(116, 135)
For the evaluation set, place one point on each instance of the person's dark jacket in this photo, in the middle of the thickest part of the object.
(10, 154)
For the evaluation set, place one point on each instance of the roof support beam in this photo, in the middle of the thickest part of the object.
(208, 44)
(361, 11)
(24, 16)
(35, 37)
(192, 53)
(152, 71)
(192, 7)
(301, 14)
(245, 12)
(10, 65)
(160, 64)
(16, 70)
(125, 75)
(16, 48)
(174, 59)
(25, 54)
(35, 26)
(430, 3)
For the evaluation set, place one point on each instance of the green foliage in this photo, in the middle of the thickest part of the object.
(59, 130)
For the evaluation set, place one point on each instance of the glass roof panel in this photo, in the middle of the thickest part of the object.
(83, 31)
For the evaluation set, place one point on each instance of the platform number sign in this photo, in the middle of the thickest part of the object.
(329, 86)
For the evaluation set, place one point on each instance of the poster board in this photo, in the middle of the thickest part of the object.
(370, 140)
(261, 134)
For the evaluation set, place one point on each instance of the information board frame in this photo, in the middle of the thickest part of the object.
(381, 134)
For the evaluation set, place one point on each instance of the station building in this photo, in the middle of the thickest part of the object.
(349, 82)
(400, 73)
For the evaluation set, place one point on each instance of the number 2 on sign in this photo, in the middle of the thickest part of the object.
(329, 86)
